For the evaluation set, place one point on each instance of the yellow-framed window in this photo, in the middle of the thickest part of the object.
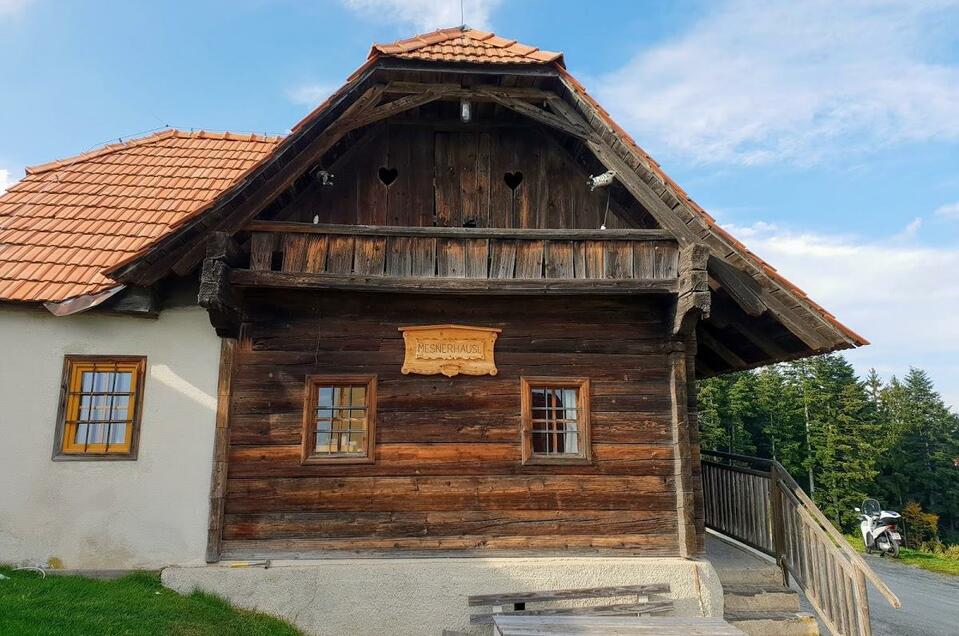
(100, 409)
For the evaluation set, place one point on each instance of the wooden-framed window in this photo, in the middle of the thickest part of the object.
(100, 405)
(339, 419)
(555, 416)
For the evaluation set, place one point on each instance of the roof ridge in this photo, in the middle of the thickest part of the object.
(441, 36)
(148, 139)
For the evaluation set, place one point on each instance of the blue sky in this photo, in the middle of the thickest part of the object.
(823, 134)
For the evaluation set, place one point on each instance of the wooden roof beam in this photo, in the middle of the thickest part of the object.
(480, 92)
(740, 286)
(727, 355)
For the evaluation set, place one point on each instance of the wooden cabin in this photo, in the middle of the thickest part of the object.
(461, 312)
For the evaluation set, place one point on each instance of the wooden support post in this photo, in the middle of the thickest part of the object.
(216, 293)
(778, 522)
(221, 441)
(693, 299)
(682, 455)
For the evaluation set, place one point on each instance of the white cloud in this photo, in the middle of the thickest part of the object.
(6, 180)
(948, 211)
(310, 94)
(10, 7)
(756, 82)
(911, 230)
(427, 15)
(900, 295)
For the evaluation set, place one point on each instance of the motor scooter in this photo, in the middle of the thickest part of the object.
(879, 529)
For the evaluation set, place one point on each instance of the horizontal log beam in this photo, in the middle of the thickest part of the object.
(481, 92)
(290, 280)
(460, 232)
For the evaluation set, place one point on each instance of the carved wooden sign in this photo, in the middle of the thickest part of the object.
(449, 349)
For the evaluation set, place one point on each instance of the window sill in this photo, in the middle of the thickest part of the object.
(343, 459)
(557, 461)
(94, 457)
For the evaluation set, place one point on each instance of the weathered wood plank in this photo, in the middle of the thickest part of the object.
(339, 259)
(526, 285)
(529, 259)
(618, 609)
(567, 595)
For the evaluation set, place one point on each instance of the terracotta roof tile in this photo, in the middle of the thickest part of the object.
(462, 44)
(69, 220)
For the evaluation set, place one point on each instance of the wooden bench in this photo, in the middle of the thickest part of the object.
(644, 600)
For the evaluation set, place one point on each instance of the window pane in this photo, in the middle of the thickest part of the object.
(97, 434)
(554, 418)
(341, 421)
(539, 398)
(124, 380)
(341, 396)
(118, 433)
(86, 381)
(83, 414)
(81, 435)
(102, 382)
(359, 396)
(324, 443)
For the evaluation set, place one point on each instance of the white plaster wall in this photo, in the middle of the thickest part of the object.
(145, 513)
(415, 596)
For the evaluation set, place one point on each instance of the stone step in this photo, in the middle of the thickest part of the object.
(745, 598)
(766, 575)
(772, 623)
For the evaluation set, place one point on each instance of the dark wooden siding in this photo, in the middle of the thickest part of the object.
(447, 472)
(454, 178)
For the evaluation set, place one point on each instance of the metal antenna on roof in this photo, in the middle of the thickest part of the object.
(462, 15)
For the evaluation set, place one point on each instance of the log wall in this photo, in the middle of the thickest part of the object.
(448, 470)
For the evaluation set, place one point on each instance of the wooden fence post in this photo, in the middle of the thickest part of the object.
(862, 604)
(778, 522)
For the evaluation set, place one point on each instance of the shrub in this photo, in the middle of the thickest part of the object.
(922, 527)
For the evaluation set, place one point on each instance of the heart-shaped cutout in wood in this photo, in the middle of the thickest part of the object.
(388, 175)
(513, 179)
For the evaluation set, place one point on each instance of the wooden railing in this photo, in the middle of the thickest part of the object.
(757, 502)
(480, 260)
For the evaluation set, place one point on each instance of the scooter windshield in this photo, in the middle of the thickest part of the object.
(871, 507)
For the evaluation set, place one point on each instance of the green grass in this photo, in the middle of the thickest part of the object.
(136, 604)
(917, 558)
(929, 561)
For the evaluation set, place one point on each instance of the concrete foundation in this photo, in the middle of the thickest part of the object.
(427, 595)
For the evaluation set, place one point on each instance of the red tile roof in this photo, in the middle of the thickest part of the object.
(69, 220)
(462, 44)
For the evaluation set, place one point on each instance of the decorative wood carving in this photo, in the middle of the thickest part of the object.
(449, 349)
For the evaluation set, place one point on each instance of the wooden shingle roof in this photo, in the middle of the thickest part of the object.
(67, 221)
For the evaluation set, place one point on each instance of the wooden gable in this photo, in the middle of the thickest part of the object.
(428, 169)
(401, 157)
